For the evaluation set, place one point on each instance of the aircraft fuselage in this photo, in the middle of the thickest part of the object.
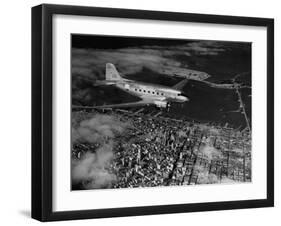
(149, 91)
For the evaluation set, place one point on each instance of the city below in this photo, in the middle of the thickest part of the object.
(141, 149)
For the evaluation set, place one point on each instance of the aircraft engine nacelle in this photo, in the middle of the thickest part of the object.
(161, 104)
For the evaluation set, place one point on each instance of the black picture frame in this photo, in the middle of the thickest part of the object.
(42, 107)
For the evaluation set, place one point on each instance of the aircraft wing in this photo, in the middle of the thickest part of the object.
(180, 85)
(122, 105)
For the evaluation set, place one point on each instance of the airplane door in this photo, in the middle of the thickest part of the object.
(127, 87)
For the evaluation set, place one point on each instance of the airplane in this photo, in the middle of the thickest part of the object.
(150, 94)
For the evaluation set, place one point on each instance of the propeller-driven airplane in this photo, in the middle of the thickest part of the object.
(149, 94)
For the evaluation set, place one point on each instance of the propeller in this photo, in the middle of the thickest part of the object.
(168, 106)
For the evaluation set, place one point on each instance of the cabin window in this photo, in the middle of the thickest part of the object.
(162, 94)
(136, 89)
(144, 91)
(148, 91)
(140, 90)
(153, 92)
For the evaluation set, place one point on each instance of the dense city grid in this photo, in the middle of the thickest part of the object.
(162, 151)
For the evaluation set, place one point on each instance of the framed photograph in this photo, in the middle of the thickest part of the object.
(147, 112)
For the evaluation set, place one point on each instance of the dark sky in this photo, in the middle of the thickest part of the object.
(157, 61)
(115, 42)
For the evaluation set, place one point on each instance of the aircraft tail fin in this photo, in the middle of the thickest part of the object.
(111, 73)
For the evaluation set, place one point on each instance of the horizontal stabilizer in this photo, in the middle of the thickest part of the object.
(180, 85)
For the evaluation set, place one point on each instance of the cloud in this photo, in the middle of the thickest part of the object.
(160, 59)
(92, 168)
(210, 152)
(205, 48)
(204, 177)
(98, 129)
(91, 63)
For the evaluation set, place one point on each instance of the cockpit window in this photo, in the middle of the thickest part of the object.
(182, 94)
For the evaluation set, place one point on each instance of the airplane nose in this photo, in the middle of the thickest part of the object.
(184, 99)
